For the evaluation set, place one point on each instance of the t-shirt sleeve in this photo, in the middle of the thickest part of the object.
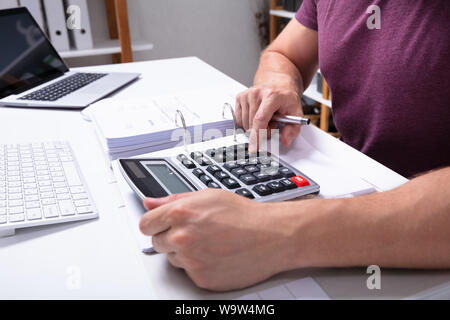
(307, 14)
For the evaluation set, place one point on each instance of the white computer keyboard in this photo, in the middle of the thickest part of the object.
(40, 184)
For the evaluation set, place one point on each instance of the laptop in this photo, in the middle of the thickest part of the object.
(32, 73)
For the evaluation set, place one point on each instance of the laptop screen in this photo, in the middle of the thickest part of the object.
(27, 58)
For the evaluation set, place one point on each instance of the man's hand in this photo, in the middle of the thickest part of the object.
(222, 240)
(256, 107)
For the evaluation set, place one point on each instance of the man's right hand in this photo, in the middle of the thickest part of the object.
(256, 106)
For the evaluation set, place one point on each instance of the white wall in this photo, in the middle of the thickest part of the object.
(223, 33)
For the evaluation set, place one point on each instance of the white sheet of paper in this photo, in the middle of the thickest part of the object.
(302, 289)
(121, 118)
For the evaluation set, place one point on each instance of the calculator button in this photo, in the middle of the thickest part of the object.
(182, 157)
(287, 173)
(195, 155)
(288, 184)
(252, 169)
(245, 193)
(249, 179)
(262, 190)
(203, 161)
(230, 183)
(238, 172)
(253, 161)
(198, 173)
(261, 176)
(206, 179)
(213, 185)
(300, 181)
(220, 175)
(213, 169)
(231, 166)
(276, 187)
(189, 164)
(242, 162)
(273, 173)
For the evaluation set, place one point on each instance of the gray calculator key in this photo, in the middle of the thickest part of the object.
(245, 193)
(206, 179)
(221, 175)
(230, 183)
(249, 179)
(213, 185)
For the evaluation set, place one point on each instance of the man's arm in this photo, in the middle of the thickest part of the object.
(408, 227)
(226, 242)
(285, 71)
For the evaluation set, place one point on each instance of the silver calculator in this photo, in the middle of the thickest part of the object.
(262, 176)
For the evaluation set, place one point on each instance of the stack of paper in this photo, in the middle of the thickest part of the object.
(131, 127)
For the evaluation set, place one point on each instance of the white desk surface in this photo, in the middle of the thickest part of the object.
(100, 258)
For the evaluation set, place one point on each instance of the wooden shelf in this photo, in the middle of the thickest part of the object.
(106, 47)
(282, 14)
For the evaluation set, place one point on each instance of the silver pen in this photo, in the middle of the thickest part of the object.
(291, 120)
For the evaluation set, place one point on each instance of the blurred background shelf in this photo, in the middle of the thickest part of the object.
(107, 47)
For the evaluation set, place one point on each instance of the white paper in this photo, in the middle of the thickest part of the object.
(122, 118)
(303, 289)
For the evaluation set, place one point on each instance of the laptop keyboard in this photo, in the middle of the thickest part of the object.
(64, 87)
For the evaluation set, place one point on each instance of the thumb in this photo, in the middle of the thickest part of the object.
(153, 203)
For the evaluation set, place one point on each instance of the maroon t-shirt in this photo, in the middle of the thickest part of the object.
(389, 76)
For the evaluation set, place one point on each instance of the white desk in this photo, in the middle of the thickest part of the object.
(100, 259)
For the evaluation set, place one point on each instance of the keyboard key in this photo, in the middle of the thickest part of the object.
(252, 169)
(213, 185)
(16, 218)
(262, 190)
(34, 214)
(238, 172)
(85, 210)
(300, 181)
(203, 161)
(82, 203)
(287, 173)
(262, 177)
(288, 184)
(245, 193)
(50, 211)
(182, 157)
(206, 179)
(248, 179)
(2, 211)
(32, 204)
(230, 183)
(74, 190)
(46, 202)
(276, 187)
(213, 169)
(15, 210)
(66, 208)
(231, 166)
(80, 196)
(189, 164)
(195, 155)
(198, 173)
(3, 219)
(221, 175)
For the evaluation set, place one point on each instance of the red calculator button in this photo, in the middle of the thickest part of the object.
(300, 181)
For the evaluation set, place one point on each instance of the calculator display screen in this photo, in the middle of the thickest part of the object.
(168, 178)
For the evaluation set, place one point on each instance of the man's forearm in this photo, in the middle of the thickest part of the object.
(408, 227)
(276, 70)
